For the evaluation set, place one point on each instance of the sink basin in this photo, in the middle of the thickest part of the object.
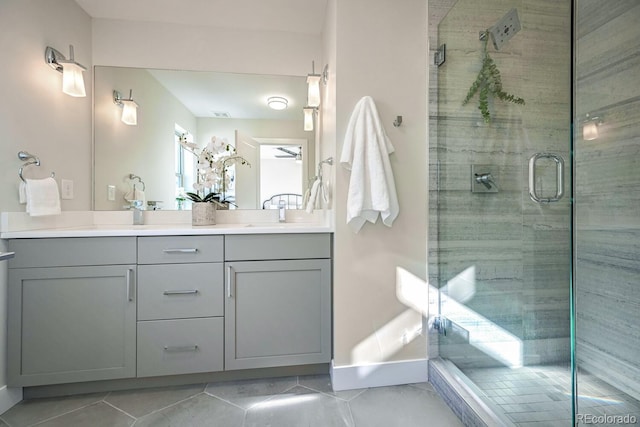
(278, 224)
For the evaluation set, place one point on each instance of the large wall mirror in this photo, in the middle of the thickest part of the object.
(148, 158)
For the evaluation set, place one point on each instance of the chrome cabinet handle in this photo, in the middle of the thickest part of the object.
(180, 251)
(185, 292)
(230, 279)
(559, 177)
(131, 290)
(181, 348)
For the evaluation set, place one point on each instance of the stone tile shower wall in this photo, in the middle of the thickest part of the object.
(608, 192)
(502, 256)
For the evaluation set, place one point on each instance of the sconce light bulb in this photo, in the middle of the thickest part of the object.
(129, 112)
(308, 119)
(313, 94)
(72, 80)
(590, 131)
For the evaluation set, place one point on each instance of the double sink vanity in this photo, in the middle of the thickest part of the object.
(112, 305)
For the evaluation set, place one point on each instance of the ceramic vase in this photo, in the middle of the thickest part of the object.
(203, 213)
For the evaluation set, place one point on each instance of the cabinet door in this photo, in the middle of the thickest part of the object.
(71, 324)
(277, 313)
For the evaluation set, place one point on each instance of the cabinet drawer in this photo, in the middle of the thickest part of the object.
(180, 249)
(186, 346)
(172, 291)
(249, 247)
(72, 251)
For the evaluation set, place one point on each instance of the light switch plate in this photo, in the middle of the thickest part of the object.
(111, 193)
(67, 189)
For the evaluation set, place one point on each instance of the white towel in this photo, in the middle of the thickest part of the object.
(22, 191)
(365, 153)
(313, 195)
(135, 194)
(43, 197)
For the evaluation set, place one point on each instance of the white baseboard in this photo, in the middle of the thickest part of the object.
(9, 397)
(379, 374)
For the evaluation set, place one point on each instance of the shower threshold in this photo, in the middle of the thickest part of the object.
(466, 400)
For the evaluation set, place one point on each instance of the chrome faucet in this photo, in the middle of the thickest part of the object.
(136, 207)
(485, 179)
(281, 209)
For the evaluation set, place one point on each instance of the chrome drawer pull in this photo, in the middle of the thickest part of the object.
(131, 290)
(181, 348)
(230, 281)
(180, 251)
(186, 292)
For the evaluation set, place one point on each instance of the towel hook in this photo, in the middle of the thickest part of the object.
(29, 160)
(397, 122)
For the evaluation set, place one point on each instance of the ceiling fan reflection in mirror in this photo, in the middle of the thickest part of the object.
(290, 154)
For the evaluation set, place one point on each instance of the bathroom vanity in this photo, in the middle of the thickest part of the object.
(98, 304)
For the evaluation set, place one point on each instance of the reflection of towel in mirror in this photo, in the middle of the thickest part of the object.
(316, 196)
(42, 197)
(135, 194)
(365, 153)
(313, 195)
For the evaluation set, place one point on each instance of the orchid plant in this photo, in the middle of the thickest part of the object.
(213, 163)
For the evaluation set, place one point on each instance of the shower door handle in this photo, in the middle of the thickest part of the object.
(559, 177)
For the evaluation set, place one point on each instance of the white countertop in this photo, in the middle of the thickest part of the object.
(100, 224)
(166, 230)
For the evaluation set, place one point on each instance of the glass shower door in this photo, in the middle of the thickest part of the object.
(503, 205)
(607, 219)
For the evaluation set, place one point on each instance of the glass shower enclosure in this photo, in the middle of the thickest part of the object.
(535, 207)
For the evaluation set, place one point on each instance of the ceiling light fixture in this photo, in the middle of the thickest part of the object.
(72, 79)
(129, 107)
(277, 102)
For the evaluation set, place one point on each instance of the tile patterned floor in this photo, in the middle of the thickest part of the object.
(540, 396)
(277, 402)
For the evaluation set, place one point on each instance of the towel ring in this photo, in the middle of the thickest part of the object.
(329, 161)
(30, 159)
(132, 177)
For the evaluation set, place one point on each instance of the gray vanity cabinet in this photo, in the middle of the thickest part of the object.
(277, 300)
(71, 317)
(100, 308)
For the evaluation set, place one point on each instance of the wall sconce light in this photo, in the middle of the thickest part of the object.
(309, 113)
(590, 128)
(277, 102)
(72, 79)
(129, 107)
(313, 82)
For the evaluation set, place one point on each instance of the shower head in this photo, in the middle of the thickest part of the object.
(505, 28)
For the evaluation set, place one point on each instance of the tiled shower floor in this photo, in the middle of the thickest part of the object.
(540, 396)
